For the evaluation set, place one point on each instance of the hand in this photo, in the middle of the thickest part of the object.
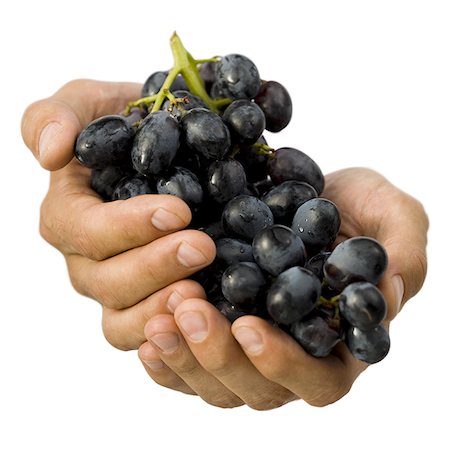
(197, 351)
(117, 252)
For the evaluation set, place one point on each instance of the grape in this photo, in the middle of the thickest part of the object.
(226, 180)
(206, 133)
(285, 199)
(131, 186)
(182, 183)
(244, 216)
(245, 120)
(292, 295)
(357, 259)
(207, 73)
(156, 143)
(253, 161)
(291, 164)
(103, 181)
(315, 336)
(237, 77)
(316, 264)
(363, 305)
(230, 251)
(228, 310)
(155, 81)
(243, 284)
(370, 346)
(317, 222)
(106, 141)
(277, 248)
(275, 102)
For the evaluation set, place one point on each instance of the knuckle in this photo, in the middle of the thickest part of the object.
(224, 400)
(329, 393)
(111, 331)
(267, 403)
(218, 365)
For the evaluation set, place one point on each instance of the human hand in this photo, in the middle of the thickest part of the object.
(197, 351)
(117, 252)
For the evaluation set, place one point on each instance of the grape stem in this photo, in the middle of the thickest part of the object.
(185, 65)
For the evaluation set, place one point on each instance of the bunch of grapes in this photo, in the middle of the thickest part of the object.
(197, 133)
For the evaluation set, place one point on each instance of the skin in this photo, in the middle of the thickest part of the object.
(134, 258)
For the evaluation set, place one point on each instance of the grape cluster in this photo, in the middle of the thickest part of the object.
(197, 133)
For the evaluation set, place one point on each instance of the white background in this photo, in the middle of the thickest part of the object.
(370, 82)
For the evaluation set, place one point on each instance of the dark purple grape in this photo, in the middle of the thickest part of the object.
(207, 72)
(292, 295)
(244, 216)
(228, 310)
(226, 179)
(230, 251)
(316, 264)
(275, 102)
(189, 102)
(315, 336)
(263, 186)
(106, 141)
(155, 81)
(245, 120)
(356, 259)
(135, 116)
(243, 285)
(253, 160)
(182, 183)
(291, 164)
(206, 133)
(214, 230)
(285, 198)
(103, 181)
(317, 222)
(237, 77)
(370, 346)
(156, 143)
(131, 186)
(363, 305)
(277, 248)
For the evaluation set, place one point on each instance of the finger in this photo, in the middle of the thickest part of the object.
(372, 206)
(76, 221)
(124, 329)
(403, 233)
(209, 337)
(159, 371)
(172, 349)
(318, 381)
(125, 279)
(50, 126)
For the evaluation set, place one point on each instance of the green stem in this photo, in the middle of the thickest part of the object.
(263, 149)
(142, 101)
(162, 93)
(185, 64)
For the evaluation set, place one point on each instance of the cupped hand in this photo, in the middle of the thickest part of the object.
(118, 252)
(197, 351)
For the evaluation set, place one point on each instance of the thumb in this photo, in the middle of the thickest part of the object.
(50, 126)
(403, 233)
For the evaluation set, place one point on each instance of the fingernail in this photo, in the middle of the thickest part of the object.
(194, 325)
(174, 300)
(398, 287)
(249, 339)
(165, 220)
(155, 365)
(166, 342)
(190, 256)
(48, 138)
